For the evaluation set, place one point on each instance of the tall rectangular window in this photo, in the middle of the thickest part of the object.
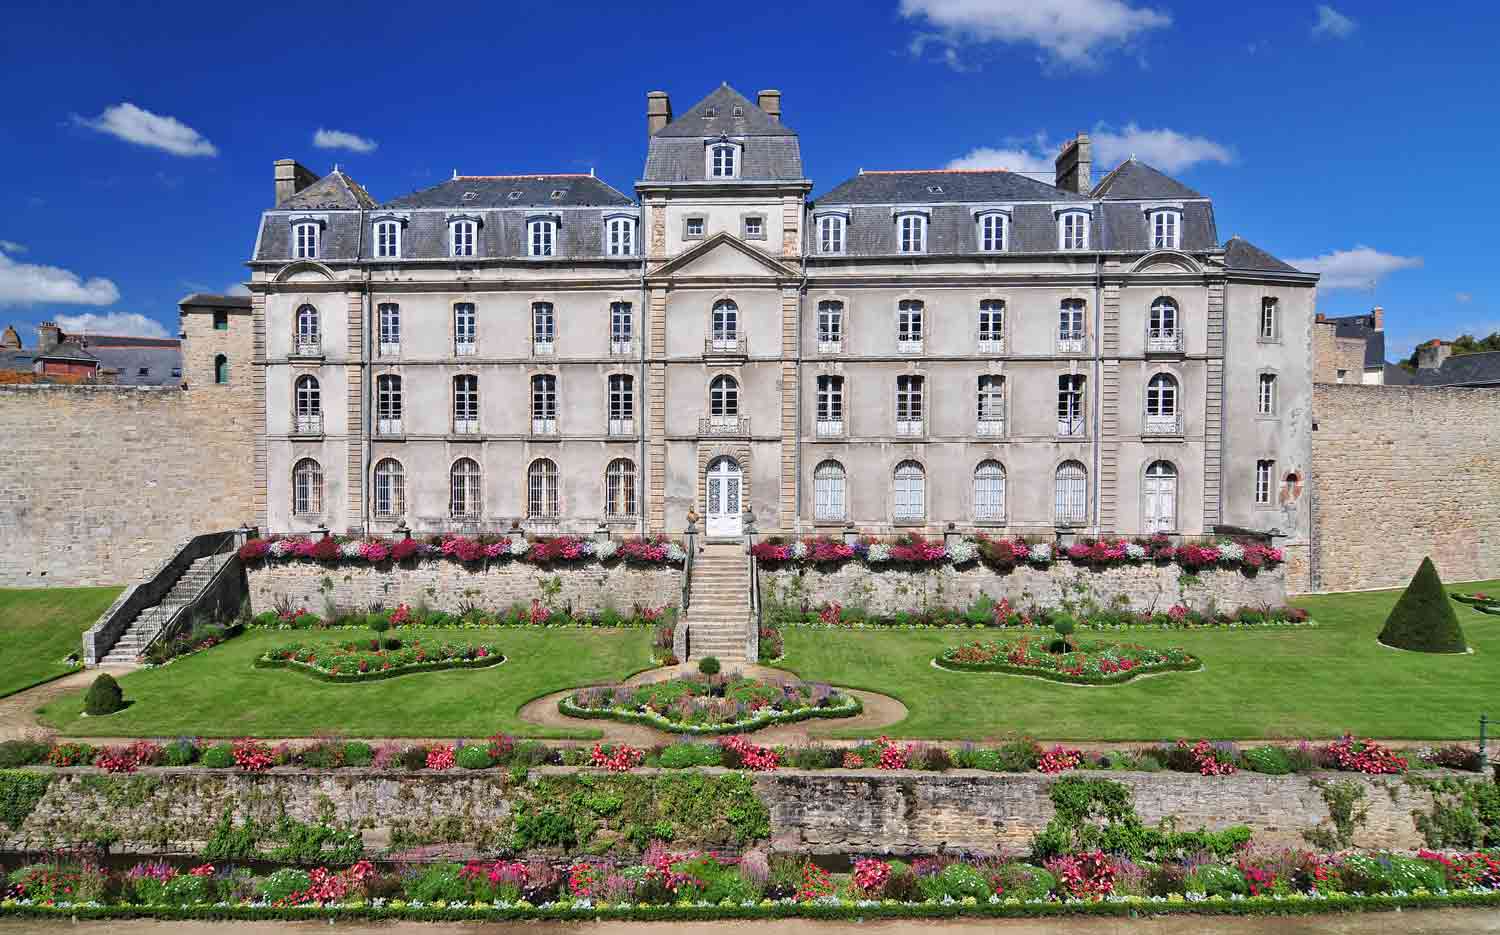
(543, 328)
(1073, 231)
(830, 326)
(390, 328)
(992, 232)
(1266, 396)
(388, 404)
(991, 326)
(1166, 228)
(388, 239)
(913, 230)
(1070, 331)
(831, 234)
(621, 327)
(1070, 404)
(465, 328)
(621, 236)
(221, 321)
(991, 404)
(541, 237)
(461, 242)
(544, 404)
(621, 404)
(830, 405)
(1268, 319)
(1264, 471)
(909, 326)
(305, 240)
(909, 404)
(466, 404)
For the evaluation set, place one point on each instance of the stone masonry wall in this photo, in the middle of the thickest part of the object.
(1400, 473)
(1332, 354)
(1142, 587)
(444, 585)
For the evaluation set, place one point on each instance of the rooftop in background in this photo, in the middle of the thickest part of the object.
(1240, 253)
(1133, 180)
(211, 300)
(1437, 365)
(916, 186)
(572, 190)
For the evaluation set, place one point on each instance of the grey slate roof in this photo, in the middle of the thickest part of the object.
(1482, 369)
(13, 359)
(339, 241)
(968, 185)
(212, 300)
(1362, 327)
(332, 191)
(1397, 375)
(493, 191)
(158, 356)
(753, 121)
(676, 152)
(1242, 254)
(66, 350)
(1133, 180)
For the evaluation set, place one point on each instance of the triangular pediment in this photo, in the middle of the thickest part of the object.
(723, 255)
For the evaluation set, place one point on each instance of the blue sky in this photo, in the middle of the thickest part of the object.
(138, 142)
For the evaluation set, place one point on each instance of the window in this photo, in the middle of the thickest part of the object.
(621, 404)
(544, 404)
(830, 405)
(991, 326)
(461, 242)
(1161, 406)
(992, 232)
(831, 234)
(541, 489)
(909, 502)
(909, 404)
(991, 416)
(388, 239)
(177, 373)
(1265, 397)
(909, 326)
(621, 327)
(1166, 230)
(307, 488)
(388, 404)
(619, 489)
(465, 328)
(309, 334)
(309, 406)
(305, 240)
(221, 369)
(466, 404)
(913, 233)
(1264, 471)
(221, 321)
(722, 161)
(1341, 376)
(1162, 333)
(1070, 404)
(989, 492)
(830, 326)
(1073, 231)
(1160, 497)
(464, 490)
(543, 328)
(143, 371)
(829, 482)
(1071, 494)
(390, 488)
(1070, 333)
(389, 314)
(755, 228)
(725, 325)
(693, 228)
(724, 402)
(541, 237)
(621, 236)
(1268, 322)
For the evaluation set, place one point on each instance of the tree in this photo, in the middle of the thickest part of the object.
(1423, 619)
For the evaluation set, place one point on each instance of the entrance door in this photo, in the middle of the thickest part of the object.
(1161, 497)
(724, 506)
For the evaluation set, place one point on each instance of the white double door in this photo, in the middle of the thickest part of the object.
(724, 508)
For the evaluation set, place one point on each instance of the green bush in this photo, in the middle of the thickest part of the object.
(709, 665)
(180, 752)
(22, 753)
(219, 756)
(358, 753)
(1217, 880)
(104, 697)
(685, 755)
(281, 884)
(474, 757)
(1423, 620)
(1024, 881)
(1274, 761)
(957, 881)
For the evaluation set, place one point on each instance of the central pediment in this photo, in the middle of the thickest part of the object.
(724, 256)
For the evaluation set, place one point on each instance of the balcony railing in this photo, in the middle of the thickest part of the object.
(909, 426)
(734, 426)
(622, 427)
(388, 426)
(990, 427)
(1163, 425)
(724, 346)
(830, 428)
(543, 348)
(465, 348)
(992, 345)
(309, 424)
(1070, 427)
(621, 347)
(309, 347)
(830, 347)
(1071, 342)
(390, 348)
(909, 346)
(466, 426)
(544, 426)
(1163, 341)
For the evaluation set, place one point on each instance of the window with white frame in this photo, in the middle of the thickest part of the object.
(543, 328)
(305, 238)
(1269, 308)
(461, 237)
(388, 239)
(912, 233)
(831, 234)
(909, 388)
(1265, 397)
(693, 228)
(1162, 417)
(1073, 230)
(755, 228)
(389, 315)
(1166, 229)
(1163, 332)
(466, 404)
(1070, 326)
(829, 491)
(724, 402)
(307, 487)
(991, 405)
(725, 325)
(722, 161)
(390, 488)
(541, 237)
(1264, 472)
(1070, 404)
(621, 327)
(619, 489)
(541, 490)
(309, 405)
(909, 492)
(989, 492)
(991, 326)
(992, 232)
(309, 331)
(830, 404)
(1071, 494)
(830, 327)
(544, 404)
(621, 236)
(621, 404)
(1159, 497)
(464, 490)
(465, 328)
(388, 404)
(909, 326)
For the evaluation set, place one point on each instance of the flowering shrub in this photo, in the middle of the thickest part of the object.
(440, 757)
(1210, 761)
(374, 550)
(870, 876)
(1059, 759)
(755, 758)
(70, 754)
(816, 884)
(619, 758)
(1092, 662)
(128, 759)
(1463, 871)
(853, 760)
(252, 755)
(356, 660)
(832, 614)
(1363, 756)
(1089, 875)
(892, 754)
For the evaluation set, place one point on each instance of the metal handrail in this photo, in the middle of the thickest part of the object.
(173, 622)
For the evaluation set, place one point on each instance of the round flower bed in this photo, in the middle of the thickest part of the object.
(1090, 662)
(1480, 601)
(717, 704)
(364, 661)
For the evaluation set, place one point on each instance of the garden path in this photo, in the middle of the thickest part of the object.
(18, 711)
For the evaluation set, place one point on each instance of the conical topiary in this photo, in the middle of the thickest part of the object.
(1422, 620)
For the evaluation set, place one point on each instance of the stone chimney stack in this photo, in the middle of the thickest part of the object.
(291, 177)
(1378, 314)
(658, 111)
(769, 101)
(48, 336)
(1430, 356)
(1075, 163)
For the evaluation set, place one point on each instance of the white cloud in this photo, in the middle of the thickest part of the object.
(26, 283)
(1071, 32)
(136, 125)
(1463, 298)
(236, 288)
(1165, 149)
(1360, 268)
(10, 246)
(132, 324)
(340, 139)
(1333, 23)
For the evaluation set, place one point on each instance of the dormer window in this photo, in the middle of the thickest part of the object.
(911, 232)
(991, 231)
(470, 196)
(305, 240)
(934, 189)
(620, 234)
(831, 229)
(388, 239)
(1166, 228)
(541, 237)
(557, 194)
(723, 161)
(710, 112)
(1073, 230)
(462, 234)
(515, 195)
(739, 111)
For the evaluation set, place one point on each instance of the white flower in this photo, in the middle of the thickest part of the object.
(965, 550)
(799, 550)
(606, 549)
(280, 547)
(350, 549)
(1134, 552)
(586, 547)
(1041, 553)
(879, 552)
(675, 553)
(1231, 552)
(519, 546)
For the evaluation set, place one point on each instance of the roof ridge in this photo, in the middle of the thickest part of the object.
(532, 175)
(930, 171)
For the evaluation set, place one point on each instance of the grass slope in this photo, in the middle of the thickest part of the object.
(219, 692)
(1254, 683)
(40, 626)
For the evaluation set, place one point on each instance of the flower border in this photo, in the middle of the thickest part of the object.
(374, 550)
(265, 661)
(943, 661)
(651, 719)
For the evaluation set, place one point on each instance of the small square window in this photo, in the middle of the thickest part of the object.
(143, 372)
(755, 228)
(515, 195)
(470, 196)
(176, 373)
(739, 111)
(694, 227)
(221, 321)
(557, 194)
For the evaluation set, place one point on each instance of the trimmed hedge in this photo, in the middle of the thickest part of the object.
(1423, 621)
(105, 697)
(375, 675)
(566, 706)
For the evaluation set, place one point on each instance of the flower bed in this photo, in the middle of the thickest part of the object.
(710, 704)
(1480, 601)
(535, 615)
(366, 660)
(1090, 662)
(476, 550)
(987, 613)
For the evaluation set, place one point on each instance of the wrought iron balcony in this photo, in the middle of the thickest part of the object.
(1163, 341)
(725, 346)
(1163, 425)
(725, 426)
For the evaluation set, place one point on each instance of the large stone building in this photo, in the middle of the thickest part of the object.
(909, 349)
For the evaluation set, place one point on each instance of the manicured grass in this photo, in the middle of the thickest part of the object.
(220, 693)
(1270, 683)
(39, 627)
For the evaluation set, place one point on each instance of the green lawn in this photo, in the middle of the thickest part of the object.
(39, 627)
(1255, 683)
(219, 693)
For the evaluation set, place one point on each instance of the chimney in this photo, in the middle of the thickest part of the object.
(48, 336)
(769, 101)
(1073, 165)
(11, 339)
(658, 111)
(1378, 314)
(291, 177)
(1430, 356)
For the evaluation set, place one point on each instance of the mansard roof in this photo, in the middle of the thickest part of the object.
(333, 191)
(515, 191)
(916, 186)
(1240, 253)
(772, 151)
(696, 122)
(1133, 180)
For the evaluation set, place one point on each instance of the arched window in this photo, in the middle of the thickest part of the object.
(307, 487)
(1072, 494)
(309, 332)
(909, 500)
(464, 490)
(725, 325)
(309, 405)
(544, 404)
(724, 401)
(1163, 332)
(1162, 417)
(221, 368)
(1166, 229)
(390, 488)
(388, 404)
(541, 489)
(1160, 497)
(466, 404)
(621, 240)
(619, 489)
(829, 498)
(989, 492)
(722, 161)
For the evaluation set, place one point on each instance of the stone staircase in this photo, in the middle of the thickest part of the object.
(718, 619)
(133, 641)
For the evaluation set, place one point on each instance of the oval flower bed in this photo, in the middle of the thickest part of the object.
(717, 704)
(1090, 662)
(364, 661)
(1480, 601)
